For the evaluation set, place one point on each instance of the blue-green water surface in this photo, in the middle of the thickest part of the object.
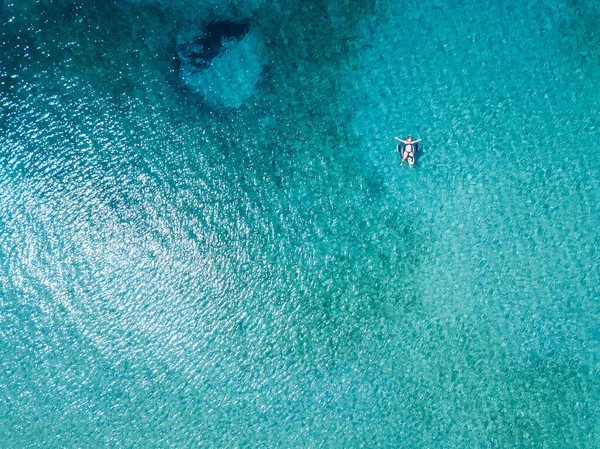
(175, 273)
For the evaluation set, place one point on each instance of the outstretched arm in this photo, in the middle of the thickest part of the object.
(417, 141)
(400, 140)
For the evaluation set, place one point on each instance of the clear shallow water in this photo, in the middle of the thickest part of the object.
(175, 275)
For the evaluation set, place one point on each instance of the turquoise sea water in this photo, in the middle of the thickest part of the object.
(179, 274)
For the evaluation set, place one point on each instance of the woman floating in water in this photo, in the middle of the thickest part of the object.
(408, 148)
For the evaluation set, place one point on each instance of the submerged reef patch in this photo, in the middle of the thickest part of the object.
(221, 61)
(202, 49)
